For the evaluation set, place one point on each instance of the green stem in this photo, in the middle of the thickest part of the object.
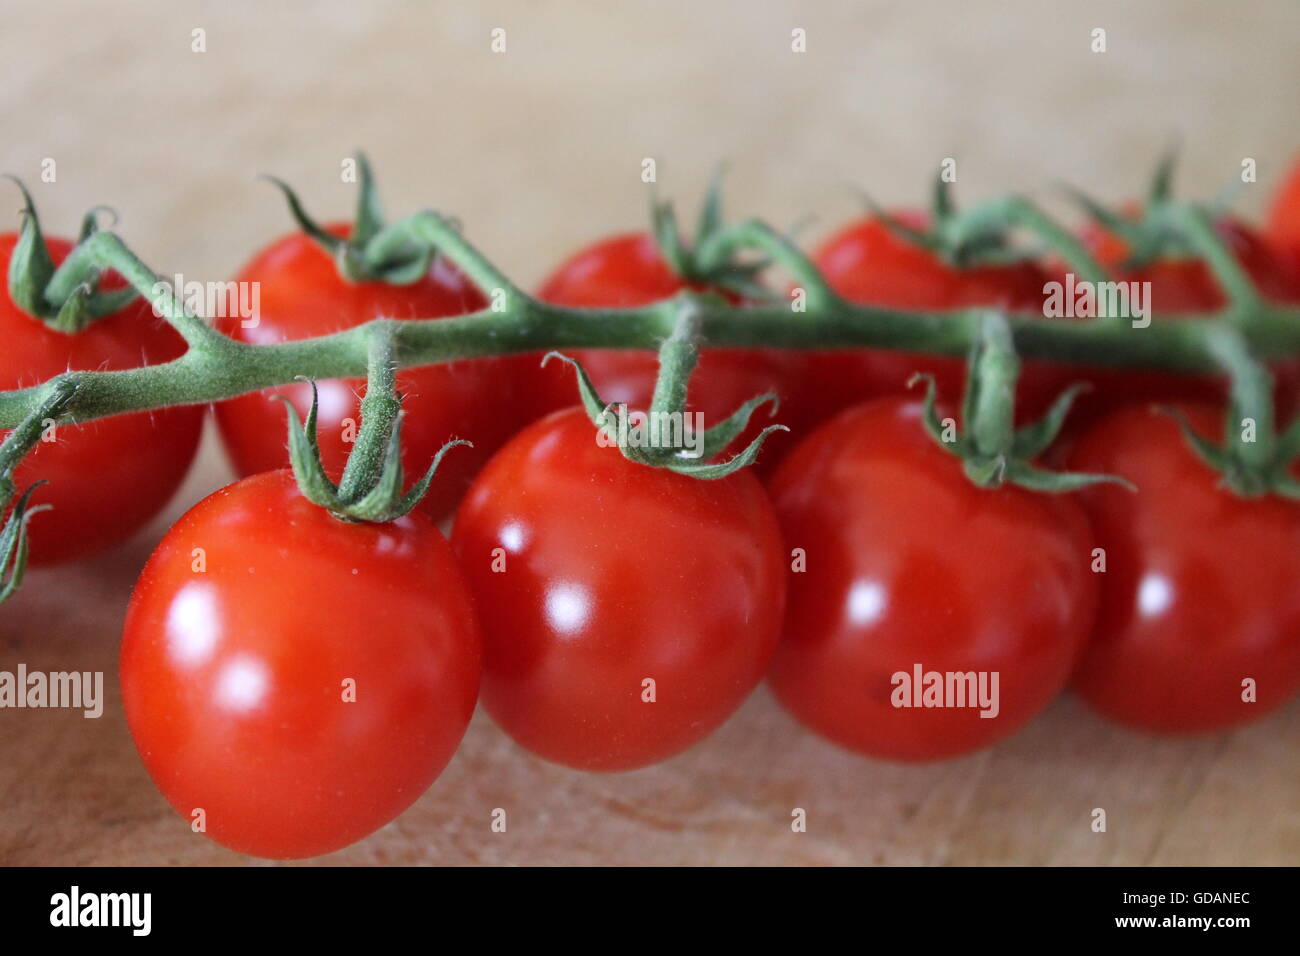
(677, 359)
(379, 411)
(216, 367)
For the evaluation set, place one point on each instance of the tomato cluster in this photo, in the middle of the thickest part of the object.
(295, 680)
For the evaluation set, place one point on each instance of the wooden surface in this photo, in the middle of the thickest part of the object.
(537, 151)
(73, 790)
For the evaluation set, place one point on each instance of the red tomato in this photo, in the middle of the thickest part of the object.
(594, 575)
(910, 565)
(869, 264)
(307, 681)
(1200, 589)
(109, 476)
(303, 295)
(627, 271)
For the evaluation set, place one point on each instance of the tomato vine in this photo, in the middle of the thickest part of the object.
(1235, 340)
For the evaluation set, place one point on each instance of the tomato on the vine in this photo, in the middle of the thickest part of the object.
(1180, 287)
(911, 571)
(302, 294)
(1198, 626)
(109, 476)
(299, 679)
(627, 611)
(626, 271)
(868, 263)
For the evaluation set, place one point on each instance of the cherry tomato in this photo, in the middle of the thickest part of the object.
(298, 678)
(627, 611)
(627, 271)
(869, 264)
(302, 295)
(911, 569)
(109, 476)
(1199, 593)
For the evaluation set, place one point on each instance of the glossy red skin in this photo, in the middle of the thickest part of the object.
(627, 271)
(109, 476)
(869, 264)
(1218, 575)
(1182, 287)
(288, 769)
(942, 573)
(616, 572)
(303, 295)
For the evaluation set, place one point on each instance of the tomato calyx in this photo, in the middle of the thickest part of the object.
(14, 537)
(31, 268)
(1254, 459)
(684, 257)
(367, 253)
(992, 450)
(370, 488)
(1162, 227)
(17, 444)
(667, 415)
(963, 240)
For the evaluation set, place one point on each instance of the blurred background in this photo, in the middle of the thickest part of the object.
(539, 149)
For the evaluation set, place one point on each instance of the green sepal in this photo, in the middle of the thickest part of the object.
(1246, 478)
(1162, 179)
(1216, 457)
(1036, 437)
(1012, 464)
(370, 215)
(934, 425)
(31, 268)
(598, 410)
(383, 501)
(1286, 447)
(30, 264)
(1026, 475)
(354, 256)
(697, 468)
(717, 438)
(304, 454)
(734, 276)
(1148, 236)
(14, 542)
(962, 240)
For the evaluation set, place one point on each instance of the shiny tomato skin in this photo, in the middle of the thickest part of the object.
(302, 295)
(625, 271)
(909, 563)
(109, 476)
(1200, 585)
(615, 573)
(233, 677)
(868, 264)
